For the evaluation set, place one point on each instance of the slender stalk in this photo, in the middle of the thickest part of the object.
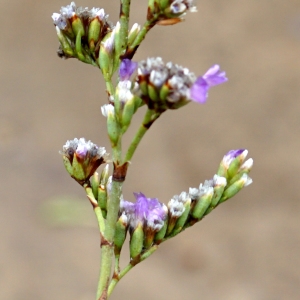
(109, 88)
(133, 263)
(124, 21)
(139, 38)
(149, 118)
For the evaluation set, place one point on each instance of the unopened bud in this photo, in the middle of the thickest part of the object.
(236, 187)
(120, 234)
(136, 241)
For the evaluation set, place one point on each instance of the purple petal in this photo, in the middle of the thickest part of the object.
(232, 154)
(199, 90)
(127, 68)
(214, 76)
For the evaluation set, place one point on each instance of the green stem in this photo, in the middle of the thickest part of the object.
(124, 21)
(107, 245)
(149, 118)
(110, 88)
(129, 267)
(97, 209)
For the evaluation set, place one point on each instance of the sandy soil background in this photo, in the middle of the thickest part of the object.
(248, 248)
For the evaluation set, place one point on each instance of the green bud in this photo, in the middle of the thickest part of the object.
(106, 57)
(183, 218)
(120, 233)
(219, 186)
(104, 176)
(113, 128)
(117, 45)
(202, 203)
(95, 184)
(64, 42)
(161, 233)
(133, 33)
(127, 113)
(236, 187)
(136, 241)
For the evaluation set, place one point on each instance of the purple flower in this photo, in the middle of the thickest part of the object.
(232, 154)
(212, 77)
(127, 68)
(146, 211)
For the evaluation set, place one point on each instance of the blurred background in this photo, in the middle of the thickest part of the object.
(246, 249)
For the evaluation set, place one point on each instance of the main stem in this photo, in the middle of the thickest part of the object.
(107, 241)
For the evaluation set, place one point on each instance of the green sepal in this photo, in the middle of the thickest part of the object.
(161, 233)
(152, 93)
(65, 43)
(233, 189)
(171, 224)
(78, 169)
(202, 205)
(94, 33)
(143, 85)
(102, 200)
(132, 35)
(78, 48)
(234, 166)
(117, 46)
(222, 171)
(164, 91)
(105, 59)
(95, 180)
(127, 113)
(113, 129)
(104, 176)
(120, 234)
(68, 165)
(137, 241)
(77, 26)
(149, 238)
(183, 218)
(218, 191)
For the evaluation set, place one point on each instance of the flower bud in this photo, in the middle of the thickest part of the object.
(176, 209)
(120, 234)
(219, 184)
(81, 158)
(95, 184)
(167, 10)
(233, 189)
(102, 190)
(113, 128)
(186, 200)
(231, 163)
(136, 241)
(106, 55)
(133, 33)
(203, 201)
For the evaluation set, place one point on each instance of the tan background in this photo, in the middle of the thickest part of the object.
(248, 248)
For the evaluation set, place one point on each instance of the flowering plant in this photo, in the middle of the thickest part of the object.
(88, 36)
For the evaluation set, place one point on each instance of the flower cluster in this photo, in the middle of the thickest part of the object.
(82, 158)
(169, 12)
(170, 86)
(80, 31)
(151, 222)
